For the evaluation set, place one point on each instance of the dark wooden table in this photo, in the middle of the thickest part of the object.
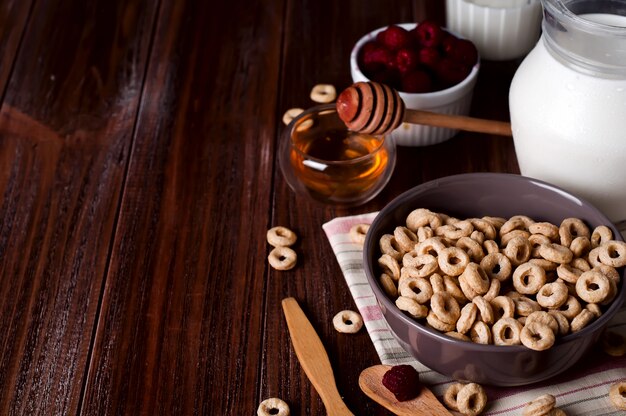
(138, 177)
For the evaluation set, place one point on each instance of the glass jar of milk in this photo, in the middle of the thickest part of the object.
(568, 102)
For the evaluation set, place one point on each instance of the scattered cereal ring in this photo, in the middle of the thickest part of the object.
(617, 393)
(291, 114)
(452, 261)
(471, 399)
(282, 258)
(348, 322)
(416, 288)
(552, 295)
(273, 406)
(528, 278)
(581, 320)
(281, 236)
(507, 331)
(556, 253)
(445, 307)
(497, 266)
(613, 343)
(323, 93)
(540, 406)
(358, 233)
(613, 253)
(411, 306)
(601, 234)
(537, 336)
(592, 286)
(388, 285)
(450, 395)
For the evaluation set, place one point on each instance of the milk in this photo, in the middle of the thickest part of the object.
(569, 126)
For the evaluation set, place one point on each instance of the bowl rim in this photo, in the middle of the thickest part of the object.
(454, 89)
(390, 306)
(492, 9)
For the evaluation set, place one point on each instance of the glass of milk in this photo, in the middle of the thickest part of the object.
(568, 102)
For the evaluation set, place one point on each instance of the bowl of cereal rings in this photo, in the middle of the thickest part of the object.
(495, 278)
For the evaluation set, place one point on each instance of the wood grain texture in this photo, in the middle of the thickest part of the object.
(64, 129)
(180, 327)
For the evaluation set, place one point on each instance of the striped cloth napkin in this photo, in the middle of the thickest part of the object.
(581, 391)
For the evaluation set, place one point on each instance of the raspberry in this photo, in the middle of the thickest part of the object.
(416, 82)
(394, 38)
(403, 381)
(375, 58)
(451, 72)
(429, 34)
(429, 57)
(406, 60)
(463, 51)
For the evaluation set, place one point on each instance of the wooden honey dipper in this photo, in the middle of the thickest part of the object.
(373, 108)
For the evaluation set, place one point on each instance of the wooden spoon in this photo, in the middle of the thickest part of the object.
(313, 358)
(425, 403)
(372, 108)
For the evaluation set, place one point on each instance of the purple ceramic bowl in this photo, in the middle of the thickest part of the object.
(477, 195)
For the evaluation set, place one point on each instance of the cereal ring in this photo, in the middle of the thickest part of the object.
(291, 114)
(467, 318)
(547, 265)
(503, 307)
(504, 240)
(537, 336)
(613, 253)
(281, 237)
(556, 253)
(452, 287)
(445, 307)
(536, 240)
(452, 261)
(581, 264)
(516, 222)
(449, 397)
(497, 222)
(485, 227)
(546, 229)
(613, 343)
(592, 286)
(323, 93)
(557, 412)
(432, 246)
(423, 265)
(358, 233)
(456, 230)
(476, 278)
(600, 235)
(282, 258)
(612, 293)
(389, 245)
(405, 238)
(497, 266)
(617, 393)
(485, 310)
(528, 278)
(437, 283)
(472, 248)
(494, 290)
(478, 236)
(543, 318)
(561, 321)
(424, 233)
(581, 320)
(437, 323)
(471, 399)
(388, 285)
(552, 295)
(348, 322)
(594, 309)
(411, 306)
(416, 288)
(456, 335)
(390, 266)
(422, 217)
(467, 290)
(518, 250)
(594, 257)
(580, 246)
(571, 228)
(609, 272)
(480, 333)
(540, 406)
(491, 247)
(570, 308)
(568, 273)
(273, 406)
(507, 331)
(524, 306)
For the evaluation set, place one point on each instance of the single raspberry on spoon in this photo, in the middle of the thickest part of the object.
(403, 381)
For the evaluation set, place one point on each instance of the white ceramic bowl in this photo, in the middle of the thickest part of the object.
(500, 29)
(454, 100)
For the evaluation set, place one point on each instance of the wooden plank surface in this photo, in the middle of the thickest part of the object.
(138, 177)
